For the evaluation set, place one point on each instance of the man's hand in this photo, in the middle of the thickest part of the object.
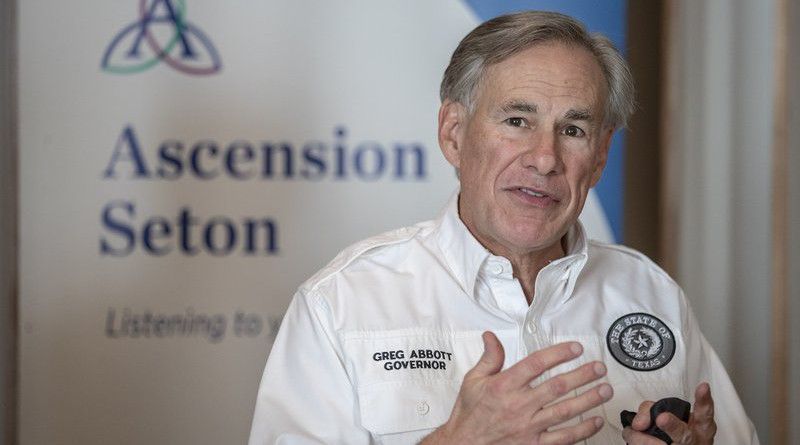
(700, 429)
(501, 407)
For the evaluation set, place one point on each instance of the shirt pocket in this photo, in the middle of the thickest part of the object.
(407, 380)
(634, 386)
(406, 411)
(631, 387)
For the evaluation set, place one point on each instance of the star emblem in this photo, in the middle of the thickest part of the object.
(641, 342)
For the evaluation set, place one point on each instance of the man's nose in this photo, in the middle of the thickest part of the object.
(543, 155)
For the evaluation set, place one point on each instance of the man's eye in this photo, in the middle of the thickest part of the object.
(573, 131)
(516, 121)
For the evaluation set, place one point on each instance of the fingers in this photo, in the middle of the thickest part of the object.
(573, 434)
(703, 424)
(676, 429)
(642, 419)
(560, 412)
(703, 403)
(561, 384)
(701, 427)
(491, 362)
(633, 437)
(540, 361)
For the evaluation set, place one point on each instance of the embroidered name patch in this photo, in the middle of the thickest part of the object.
(641, 342)
(414, 359)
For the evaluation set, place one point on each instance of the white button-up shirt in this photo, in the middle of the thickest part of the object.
(373, 348)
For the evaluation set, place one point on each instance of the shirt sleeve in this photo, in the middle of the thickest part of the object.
(703, 365)
(306, 396)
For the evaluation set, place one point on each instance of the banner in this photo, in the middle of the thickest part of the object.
(184, 166)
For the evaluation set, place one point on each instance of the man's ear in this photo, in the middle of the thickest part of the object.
(451, 120)
(602, 155)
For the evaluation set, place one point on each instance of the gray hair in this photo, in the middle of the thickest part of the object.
(501, 37)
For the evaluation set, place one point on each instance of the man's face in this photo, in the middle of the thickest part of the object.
(531, 149)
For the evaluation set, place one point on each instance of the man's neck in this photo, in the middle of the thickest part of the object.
(526, 267)
(525, 264)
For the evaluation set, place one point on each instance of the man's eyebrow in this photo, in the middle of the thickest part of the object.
(579, 115)
(519, 107)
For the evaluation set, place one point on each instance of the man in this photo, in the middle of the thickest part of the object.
(499, 322)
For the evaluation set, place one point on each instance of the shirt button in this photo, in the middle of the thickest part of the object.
(423, 408)
(531, 327)
(497, 269)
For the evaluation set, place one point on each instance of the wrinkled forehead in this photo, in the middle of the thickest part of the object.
(552, 69)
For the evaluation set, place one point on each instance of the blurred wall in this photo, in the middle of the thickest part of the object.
(8, 223)
(794, 217)
(719, 133)
(642, 157)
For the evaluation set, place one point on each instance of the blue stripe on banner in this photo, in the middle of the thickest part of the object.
(608, 17)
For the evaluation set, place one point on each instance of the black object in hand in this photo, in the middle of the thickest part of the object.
(679, 407)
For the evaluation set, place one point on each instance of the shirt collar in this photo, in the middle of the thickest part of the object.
(571, 265)
(465, 255)
(576, 246)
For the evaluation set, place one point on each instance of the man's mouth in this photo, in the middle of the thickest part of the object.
(532, 192)
(534, 196)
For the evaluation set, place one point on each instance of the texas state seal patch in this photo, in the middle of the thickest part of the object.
(641, 342)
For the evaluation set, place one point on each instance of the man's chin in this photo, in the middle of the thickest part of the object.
(533, 242)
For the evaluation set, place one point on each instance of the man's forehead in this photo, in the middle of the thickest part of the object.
(553, 70)
(570, 57)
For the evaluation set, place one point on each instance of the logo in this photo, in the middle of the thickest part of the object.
(161, 34)
(641, 342)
